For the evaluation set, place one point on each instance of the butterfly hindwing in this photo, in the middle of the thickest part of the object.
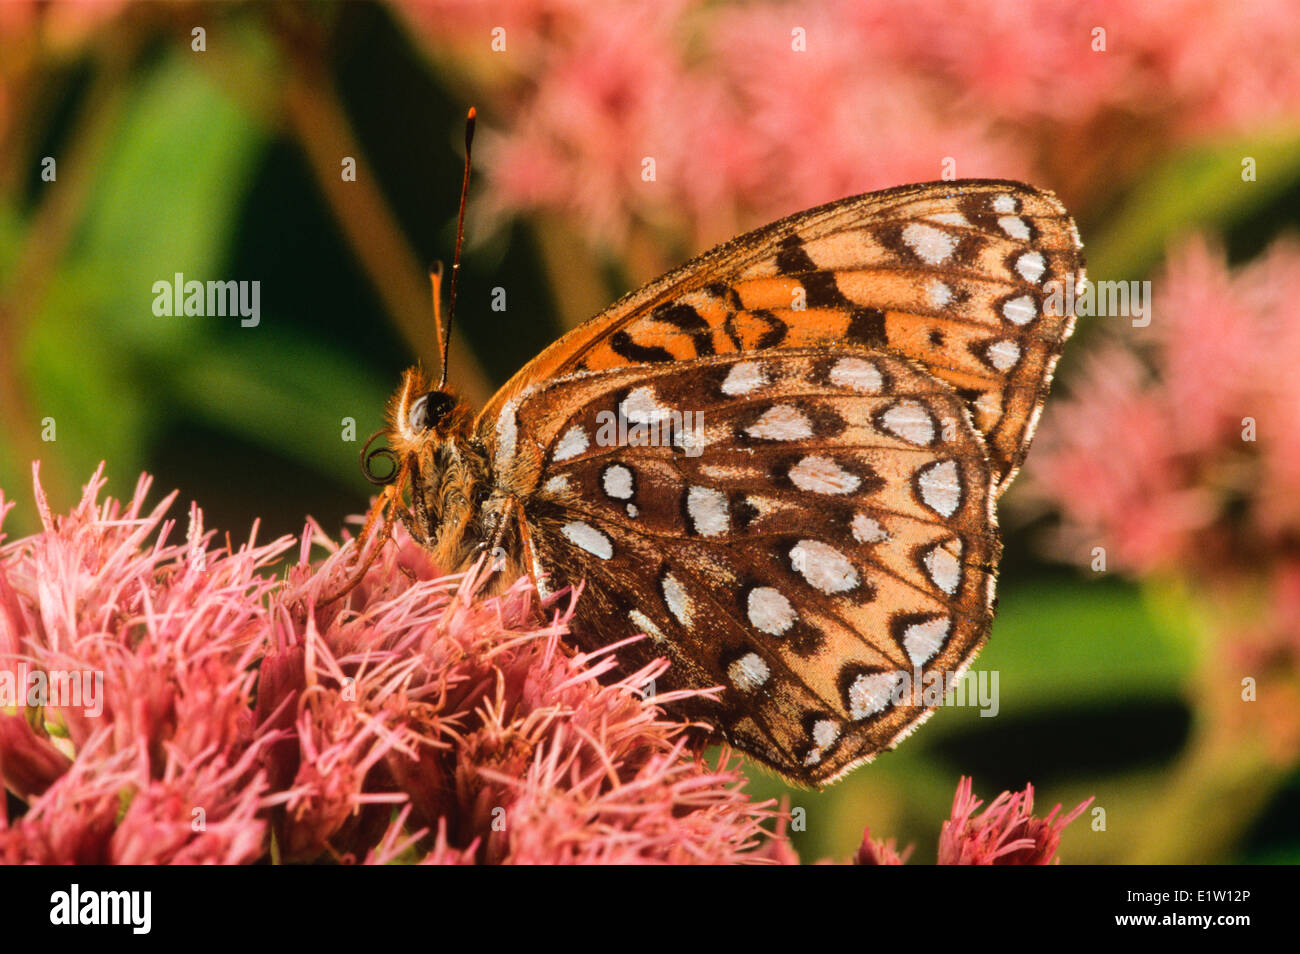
(809, 529)
(957, 276)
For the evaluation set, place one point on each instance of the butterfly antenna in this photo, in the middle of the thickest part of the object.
(435, 280)
(445, 342)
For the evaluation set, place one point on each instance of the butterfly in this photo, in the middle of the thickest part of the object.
(779, 462)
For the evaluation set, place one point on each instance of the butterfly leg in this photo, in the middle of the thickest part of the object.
(527, 555)
(510, 511)
(416, 522)
(383, 513)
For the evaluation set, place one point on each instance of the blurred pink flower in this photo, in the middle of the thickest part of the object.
(1181, 457)
(34, 35)
(1178, 457)
(414, 721)
(1196, 66)
(740, 125)
(847, 115)
(879, 852)
(756, 110)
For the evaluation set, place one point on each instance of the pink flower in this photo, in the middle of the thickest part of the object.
(1177, 457)
(1005, 833)
(1186, 63)
(74, 820)
(738, 124)
(1183, 460)
(413, 721)
(879, 852)
(756, 110)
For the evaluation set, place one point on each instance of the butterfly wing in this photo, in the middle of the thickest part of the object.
(819, 536)
(959, 276)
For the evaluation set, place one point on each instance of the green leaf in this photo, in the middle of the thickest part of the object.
(1199, 188)
(1081, 642)
(298, 408)
(166, 192)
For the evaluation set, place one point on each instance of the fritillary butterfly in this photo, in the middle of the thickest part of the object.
(780, 461)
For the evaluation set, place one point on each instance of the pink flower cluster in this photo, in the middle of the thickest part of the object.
(226, 717)
(1178, 457)
(755, 110)
(156, 757)
(422, 721)
(1179, 453)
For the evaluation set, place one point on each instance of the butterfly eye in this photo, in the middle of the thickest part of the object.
(429, 410)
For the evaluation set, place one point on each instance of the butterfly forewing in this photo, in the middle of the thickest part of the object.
(957, 276)
(808, 529)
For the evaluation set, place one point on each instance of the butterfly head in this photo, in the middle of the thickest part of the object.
(421, 416)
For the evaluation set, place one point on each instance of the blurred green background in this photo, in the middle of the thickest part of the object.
(225, 164)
